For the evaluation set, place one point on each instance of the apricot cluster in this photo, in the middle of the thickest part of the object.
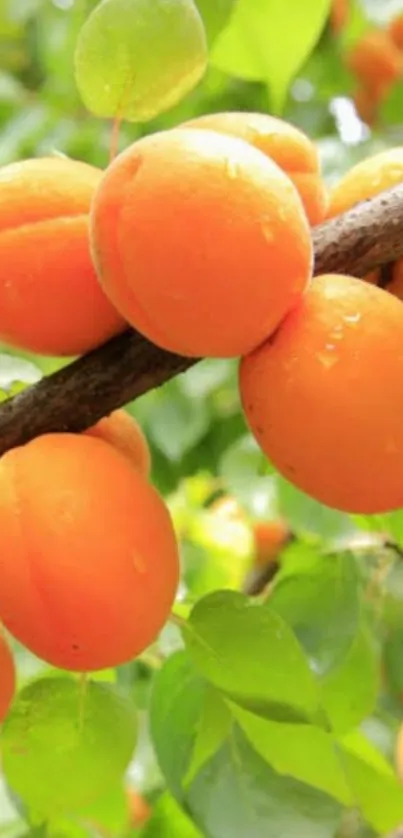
(200, 238)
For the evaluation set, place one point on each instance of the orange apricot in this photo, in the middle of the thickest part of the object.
(339, 14)
(88, 555)
(200, 241)
(366, 179)
(269, 537)
(323, 396)
(284, 143)
(139, 809)
(7, 678)
(375, 60)
(50, 299)
(395, 31)
(121, 430)
(366, 104)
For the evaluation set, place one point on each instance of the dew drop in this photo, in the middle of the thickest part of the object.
(267, 233)
(232, 168)
(328, 358)
(352, 318)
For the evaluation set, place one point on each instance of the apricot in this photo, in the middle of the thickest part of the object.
(366, 179)
(323, 396)
(7, 678)
(50, 299)
(123, 432)
(366, 104)
(269, 537)
(339, 14)
(88, 557)
(395, 31)
(139, 809)
(375, 60)
(289, 147)
(200, 241)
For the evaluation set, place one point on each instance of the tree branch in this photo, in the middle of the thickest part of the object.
(126, 367)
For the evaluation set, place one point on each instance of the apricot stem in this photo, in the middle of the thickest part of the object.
(114, 142)
(77, 396)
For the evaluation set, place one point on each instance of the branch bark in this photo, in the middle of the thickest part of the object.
(126, 367)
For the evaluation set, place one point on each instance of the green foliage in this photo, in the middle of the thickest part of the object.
(64, 744)
(135, 59)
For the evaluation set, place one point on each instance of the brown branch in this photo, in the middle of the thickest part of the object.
(128, 366)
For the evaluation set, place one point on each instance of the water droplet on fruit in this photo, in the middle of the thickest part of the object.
(352, 318)
(328, 358)
(232, 168)
(338, 332)
(138, 562)
(267, 233)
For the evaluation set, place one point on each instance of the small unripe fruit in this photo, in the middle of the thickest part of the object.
(269, 537)
(323, 396)
(375, 60)
(123, 432)
(200, 241)
(50, 300)
(395, 31)
(7, 678)
(88, 555)
(287, 145)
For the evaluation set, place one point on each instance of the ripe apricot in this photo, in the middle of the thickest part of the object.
(339, 14)
(88, 555)
(139, 809)
(366, 179)
(323, 396)
(289, 147)
(375, 60)
(269, 537)
(50, 300)
(200, 241)
(123, 432)
(395, 31)
(366, 104)
(7, 678)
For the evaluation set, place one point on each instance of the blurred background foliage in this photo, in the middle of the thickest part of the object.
(233, 513)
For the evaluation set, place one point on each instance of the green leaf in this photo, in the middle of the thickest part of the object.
(378, 794)
(215, 14)
(304, 752)
(321, 604)
(246, 650)
(260, 44)
(176, 422)
(135, 59)
(15, 370)
(63, 747)
(246, 473)
(238, 794)
(214, 724)
(176, 707)
(169, 821)
(349, 692)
